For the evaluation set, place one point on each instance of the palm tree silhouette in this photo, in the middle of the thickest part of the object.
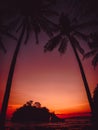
(30, 16)
(68, 33)
(93, 44)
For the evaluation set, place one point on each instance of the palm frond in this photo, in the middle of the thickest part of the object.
(47, 29)
(54, 27)
(21, 36)
(82, 35)
(77, 45)
(2, 47)
(89, 54)
(14, 23)
(20, 26)
(4, 31)
(37, 31)
(9, 35)
(28, 31)
(93, 45)
(95, 60)
(86, 25)
(63, 46)
(94, 40)
(32, 26)
(52, 43)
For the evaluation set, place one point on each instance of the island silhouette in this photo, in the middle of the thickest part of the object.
(34, 113)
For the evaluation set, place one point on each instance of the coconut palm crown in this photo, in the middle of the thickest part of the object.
(66, 29)
(32, 16)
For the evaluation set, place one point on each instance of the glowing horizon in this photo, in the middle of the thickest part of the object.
(66, 111)
(53, 80)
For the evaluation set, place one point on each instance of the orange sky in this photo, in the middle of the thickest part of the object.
(50, 79)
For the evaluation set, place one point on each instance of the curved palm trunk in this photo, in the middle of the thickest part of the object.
(9, 82)
(83, 78)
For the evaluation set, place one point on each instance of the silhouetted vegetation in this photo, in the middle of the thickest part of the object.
(54, 118)
(93, 44)
(28, 113)
(95, 99)
(34, 113)
(27, 17)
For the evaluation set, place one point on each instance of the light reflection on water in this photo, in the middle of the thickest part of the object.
(70, 123)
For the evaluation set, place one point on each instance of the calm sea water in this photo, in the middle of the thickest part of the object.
(73, 123)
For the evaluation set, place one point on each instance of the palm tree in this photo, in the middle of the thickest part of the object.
(29, 16)
(93, 44)
(69, 33)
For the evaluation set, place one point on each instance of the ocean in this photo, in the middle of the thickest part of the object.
(72, 123)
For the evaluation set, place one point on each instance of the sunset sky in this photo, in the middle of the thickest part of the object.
(52, 79)
(49, 78)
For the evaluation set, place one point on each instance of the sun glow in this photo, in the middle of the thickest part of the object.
(50, 79)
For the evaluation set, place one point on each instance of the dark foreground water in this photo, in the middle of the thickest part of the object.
(73, 123)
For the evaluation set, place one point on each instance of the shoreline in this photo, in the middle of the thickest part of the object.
(71, 123)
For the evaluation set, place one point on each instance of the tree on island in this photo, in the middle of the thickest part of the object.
(54, 118)
(33, 113)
